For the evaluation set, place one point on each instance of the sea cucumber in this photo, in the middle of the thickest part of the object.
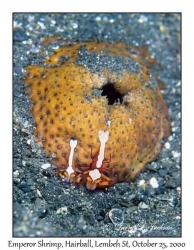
(98, 111)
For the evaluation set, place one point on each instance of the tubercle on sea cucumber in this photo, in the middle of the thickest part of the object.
(100, 92)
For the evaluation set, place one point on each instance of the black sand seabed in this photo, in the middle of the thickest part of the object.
(45, 206)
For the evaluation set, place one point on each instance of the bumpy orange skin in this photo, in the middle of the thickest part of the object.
(62, 112)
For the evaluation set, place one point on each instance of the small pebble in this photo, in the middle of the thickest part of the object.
(153, 167)
(39, 193)
(142, 205)
(34, 50)
(75, 25)
(98, 19)
(53, 22)
(17, 25)
(167, 145)
(162, 172)
(170, 138)
(162, 28)
(42, 213)
(25, 124)
(175, 154)
(142, 19)
(42, 26)
(29, 141)
(116, 216)
(31, 18)
(154, 182)
(142, 183)
(62, 210)
(46, 165)
(24, 163)
(16, 174)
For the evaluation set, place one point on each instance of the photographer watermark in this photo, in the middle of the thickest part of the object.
(117, 218)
